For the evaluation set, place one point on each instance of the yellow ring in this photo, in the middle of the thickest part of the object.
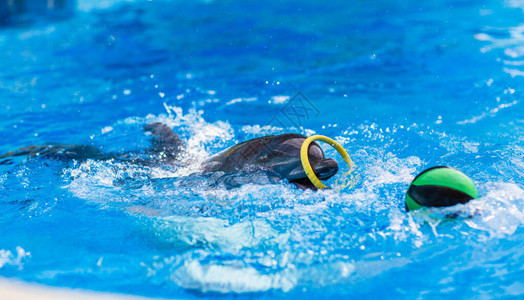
(305, 159)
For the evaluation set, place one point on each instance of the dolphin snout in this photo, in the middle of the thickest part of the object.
(326, 168)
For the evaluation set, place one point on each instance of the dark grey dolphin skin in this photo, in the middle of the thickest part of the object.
(56, 151)
(166, 144)
(278, 155)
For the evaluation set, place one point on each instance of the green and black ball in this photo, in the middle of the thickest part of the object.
(438, 187)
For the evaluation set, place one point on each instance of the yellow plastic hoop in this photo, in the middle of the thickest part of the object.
(305, 159)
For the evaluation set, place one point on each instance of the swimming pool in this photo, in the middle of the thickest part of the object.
(402, 85)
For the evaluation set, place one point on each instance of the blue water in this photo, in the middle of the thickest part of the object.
(402, 85)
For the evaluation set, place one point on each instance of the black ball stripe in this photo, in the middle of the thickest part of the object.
(437, 196)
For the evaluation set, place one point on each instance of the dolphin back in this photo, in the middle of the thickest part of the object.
(248, 155)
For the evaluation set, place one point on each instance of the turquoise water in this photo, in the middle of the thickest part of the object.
(402, 85)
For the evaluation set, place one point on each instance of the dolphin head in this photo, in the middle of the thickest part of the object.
(284, 159)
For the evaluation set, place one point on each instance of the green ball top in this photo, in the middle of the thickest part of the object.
(438, 187)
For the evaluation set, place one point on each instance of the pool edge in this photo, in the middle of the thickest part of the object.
(20, 290)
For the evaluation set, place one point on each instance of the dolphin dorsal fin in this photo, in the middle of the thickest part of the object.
(165, 141)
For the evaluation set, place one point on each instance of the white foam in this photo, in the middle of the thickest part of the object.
(8, 258)
(240, 100)
(227, 279)
(257, 130)
(279, 99)
(498, 212)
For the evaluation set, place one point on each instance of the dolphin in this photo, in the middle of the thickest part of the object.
(276, 155)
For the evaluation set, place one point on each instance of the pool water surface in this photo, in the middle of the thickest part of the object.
(401, 85)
